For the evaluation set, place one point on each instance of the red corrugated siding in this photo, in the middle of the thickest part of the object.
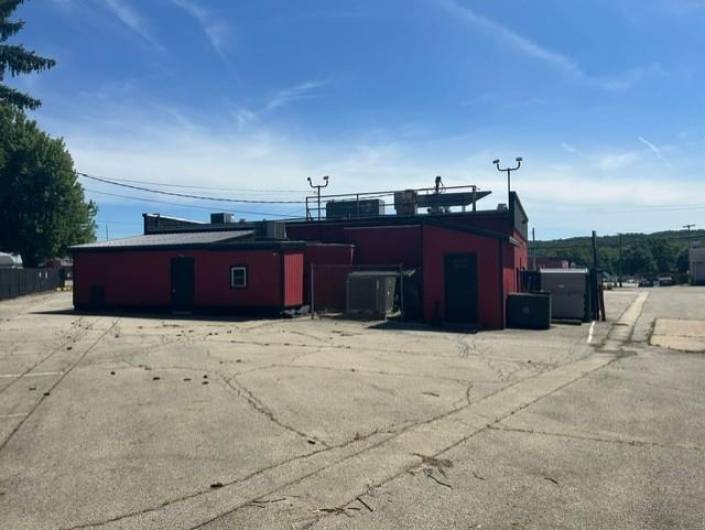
(128, 278)
(293, 279)
(437, 243)
(329, 284)
(386, 245)
(143, 278)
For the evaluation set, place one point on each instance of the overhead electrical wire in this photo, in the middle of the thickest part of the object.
(184, 195)
(215, 188)
(182, 205)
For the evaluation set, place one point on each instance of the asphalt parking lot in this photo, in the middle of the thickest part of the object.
(151, 422)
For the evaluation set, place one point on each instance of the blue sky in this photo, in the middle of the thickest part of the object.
(604, 100)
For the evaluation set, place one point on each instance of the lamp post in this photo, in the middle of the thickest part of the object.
(318, 187)
(509, 170)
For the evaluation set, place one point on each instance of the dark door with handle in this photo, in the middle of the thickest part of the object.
(460, 273)
(182, 284)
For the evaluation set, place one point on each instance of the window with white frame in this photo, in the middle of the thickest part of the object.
(238, 277)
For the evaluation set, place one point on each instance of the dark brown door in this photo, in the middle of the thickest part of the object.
(461, 288)
(182, 284)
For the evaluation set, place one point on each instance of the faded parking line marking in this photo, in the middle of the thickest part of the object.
(36, 374)
(592, 330)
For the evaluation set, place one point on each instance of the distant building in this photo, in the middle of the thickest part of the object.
(551, 263)
(697, 265)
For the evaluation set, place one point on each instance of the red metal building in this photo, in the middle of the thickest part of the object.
(465, 263)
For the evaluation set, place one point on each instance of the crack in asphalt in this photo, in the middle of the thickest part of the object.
(619, 441)
(242, 391)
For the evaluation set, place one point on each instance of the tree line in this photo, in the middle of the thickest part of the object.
(641, 254)
(43, 210)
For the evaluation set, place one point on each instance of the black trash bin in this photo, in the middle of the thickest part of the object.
(529, 310)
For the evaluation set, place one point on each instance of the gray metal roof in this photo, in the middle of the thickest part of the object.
(168, 240)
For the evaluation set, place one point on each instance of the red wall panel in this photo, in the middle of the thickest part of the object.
(386, 245)
(437, 243)
(293, 279)
(143, 278)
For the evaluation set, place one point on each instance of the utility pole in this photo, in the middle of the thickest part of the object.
(594, 250)
(688, 228)
(318, 187)
(533, 250)
(509, 170)
(107, 236)
(620, 260)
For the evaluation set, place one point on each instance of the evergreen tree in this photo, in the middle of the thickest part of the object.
(16, 60)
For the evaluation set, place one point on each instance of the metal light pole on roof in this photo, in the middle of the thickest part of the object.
(509, 170)
(318, 187)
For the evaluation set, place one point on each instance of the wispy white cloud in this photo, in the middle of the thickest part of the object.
(529, 48)
(653, 147)
(305, 90)
(616, 161)
(131, 18)
(568, 148)
(217, 31)
(244, 117)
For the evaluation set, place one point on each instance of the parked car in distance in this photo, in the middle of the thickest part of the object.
(646, 282)
(665, 281)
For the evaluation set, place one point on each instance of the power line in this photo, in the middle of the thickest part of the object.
(182, 205)
(188, 186)
(184, 195)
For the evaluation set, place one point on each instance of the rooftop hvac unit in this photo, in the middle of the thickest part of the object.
(349, 209)
(221, 218)
(569, 290)
(405, 202)
(371, 293)
(270, 230)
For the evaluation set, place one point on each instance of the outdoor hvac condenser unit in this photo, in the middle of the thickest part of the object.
(270, 230)
(371, 293)
(569, 293)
